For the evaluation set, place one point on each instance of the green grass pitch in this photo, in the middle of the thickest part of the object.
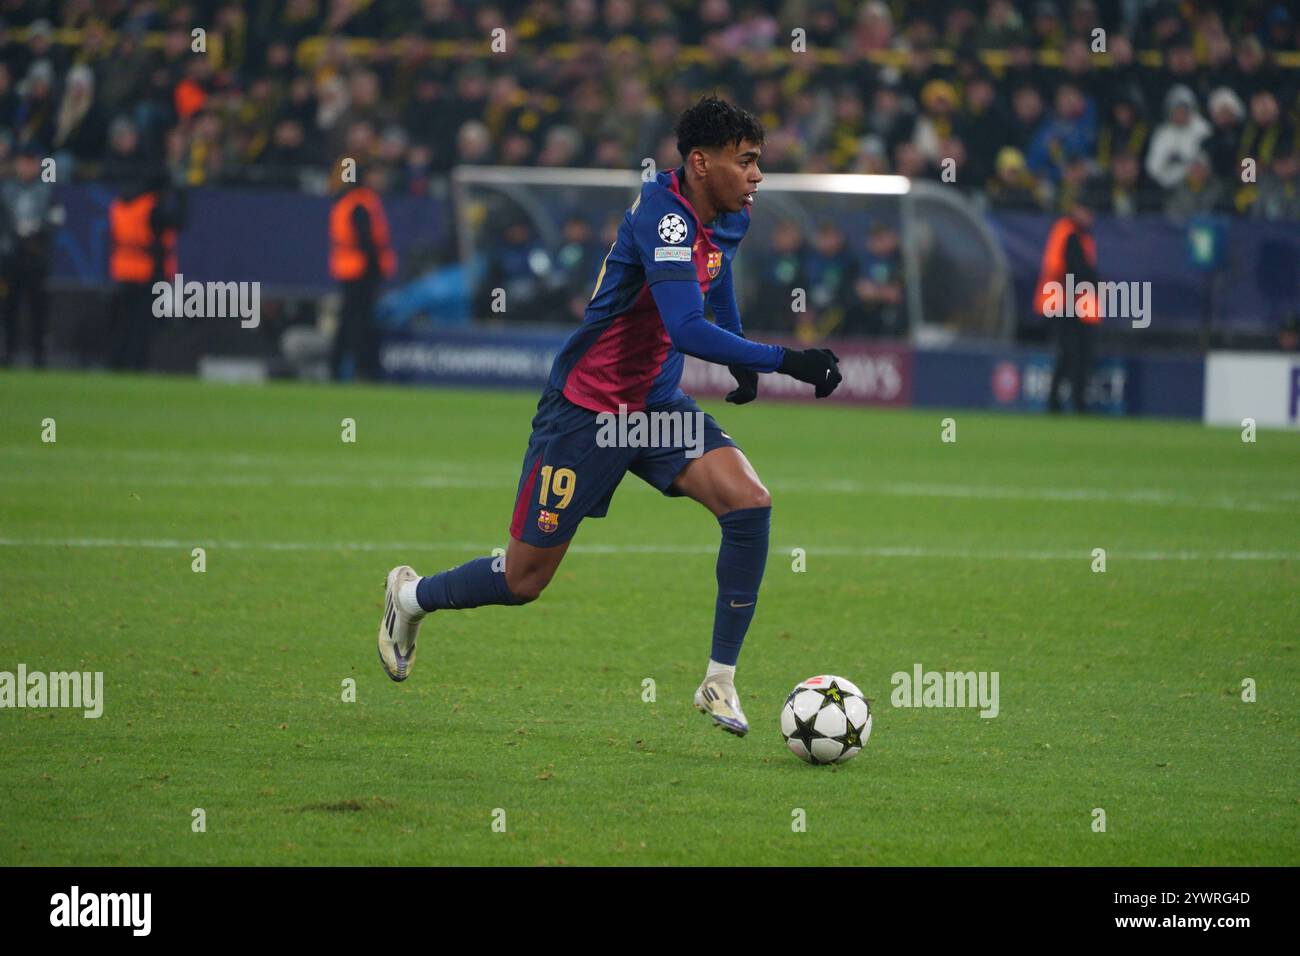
(223, 691)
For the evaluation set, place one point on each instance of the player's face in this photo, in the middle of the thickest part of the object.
(737, 176)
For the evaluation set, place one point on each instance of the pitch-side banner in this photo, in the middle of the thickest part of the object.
(873, 375)
(1263, 386)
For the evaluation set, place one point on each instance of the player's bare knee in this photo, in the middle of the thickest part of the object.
(755, 496)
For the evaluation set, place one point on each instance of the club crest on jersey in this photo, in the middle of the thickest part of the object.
(672, 228)
(547, 521)
(714, 263)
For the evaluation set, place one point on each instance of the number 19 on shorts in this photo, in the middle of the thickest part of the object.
(561, 481)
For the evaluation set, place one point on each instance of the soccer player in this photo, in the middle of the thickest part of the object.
(674, 247)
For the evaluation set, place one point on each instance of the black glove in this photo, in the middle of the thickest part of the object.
(747, 382)
(747, 385)
(818, 367)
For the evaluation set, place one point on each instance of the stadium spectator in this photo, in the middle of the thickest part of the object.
(34, 118)
(121, 79)
(910, 162)
(1252, 69)
(78, 127)
(1227, 114)
(1070, 133)
(889, 119)
(1002, 23)
(578, 249)
(1279, 189)
(874, 29)
(1124, 74)
(1177, 140)
(125, 160)
(473, 144)
(1265, 137)
(1121, 191)
(848, 128)
(935, 125)
(1199, 193)
(1014, 187)
(1125, 129)
(1180, 69)
(518, 277)
(1022, 68)
(1027, 116)
(777, 269)
(280, 163)
(879, 309)
(920, 69)
(1048, 30)
(831, 269)
(1076, 63)
(416, 173)
(29, 215)
(1076, 181)
(983, 127)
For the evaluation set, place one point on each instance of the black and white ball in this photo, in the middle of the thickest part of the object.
(826, 720)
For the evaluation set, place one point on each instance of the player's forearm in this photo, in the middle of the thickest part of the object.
(682, 309)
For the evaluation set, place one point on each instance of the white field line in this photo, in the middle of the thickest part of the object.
(1272, 502)
(453, 474)
(293, 462)
(708, 549)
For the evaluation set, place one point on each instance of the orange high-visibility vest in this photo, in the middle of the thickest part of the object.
(347, 259)
(1053, 269)
(133, 243)
(188, 98)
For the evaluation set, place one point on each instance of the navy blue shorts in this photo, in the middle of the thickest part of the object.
(567, 475)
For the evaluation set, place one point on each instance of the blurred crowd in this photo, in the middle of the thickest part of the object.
(1187, 110)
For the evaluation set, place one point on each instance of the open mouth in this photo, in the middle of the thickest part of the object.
(749, 198)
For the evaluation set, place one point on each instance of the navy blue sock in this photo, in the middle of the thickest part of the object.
(741, 560)
(473, 584)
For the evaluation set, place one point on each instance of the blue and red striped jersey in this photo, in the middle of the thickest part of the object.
(621, 354)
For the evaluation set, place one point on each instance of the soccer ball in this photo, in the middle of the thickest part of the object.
(826, 720)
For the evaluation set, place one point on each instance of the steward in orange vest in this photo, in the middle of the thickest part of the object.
(1069, 260)
(359, 236)
(142, 226)
(140, 251)
(361, 256)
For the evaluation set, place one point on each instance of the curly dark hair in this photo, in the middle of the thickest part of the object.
(714, 122)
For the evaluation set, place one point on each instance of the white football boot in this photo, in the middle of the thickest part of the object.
(718, 698)
(397, 629)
